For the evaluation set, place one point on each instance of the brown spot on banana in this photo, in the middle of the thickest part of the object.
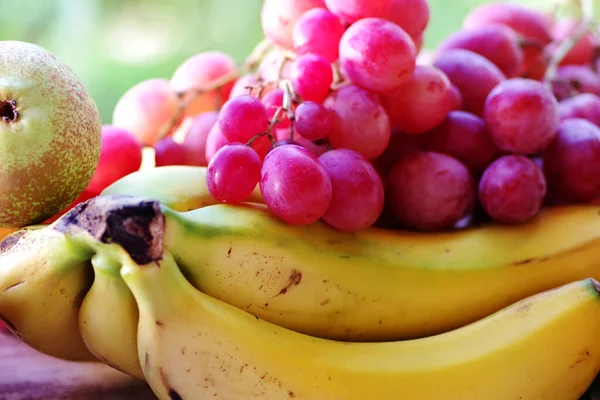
(294, 280)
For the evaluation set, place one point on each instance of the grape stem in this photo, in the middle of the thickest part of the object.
(189, 96)
(587, 23)
(274, 121)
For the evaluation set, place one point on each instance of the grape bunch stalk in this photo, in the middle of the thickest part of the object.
(340, 114)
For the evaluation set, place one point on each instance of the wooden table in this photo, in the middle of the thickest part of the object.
(26, 374)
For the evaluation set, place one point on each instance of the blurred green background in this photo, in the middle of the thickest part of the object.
(113, 44)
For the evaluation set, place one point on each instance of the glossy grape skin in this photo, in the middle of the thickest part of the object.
(521, 115)
(169, 152)
(199, 71)
(360, 122)
(272, 102)
(377, 54)
(120, 155)
(410, 15)
(145, 108)
(586, 106)
(571, 80)
(318, 31)
(357, 191)
(422, 103)
(233, 173)
(195, 139)
(312, 120)
(512, 189)
(474, 75)
(464, 136)
(351, 11)
(242, 117)
(572, 161)
(430, 191)
(311, 76)
(294, 185)
(497, 43)
(278, 18)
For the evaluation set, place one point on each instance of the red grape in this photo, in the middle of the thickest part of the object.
(351, 11)
(199, 71)
(356, 190)
(464, 136)
(457, 100)
(318, 31)
(233, 173)
(360, 122)
(529, 23)
(430, 191)
(243, 117)
(294, 185)
(521, 115)
(410, 15)
(195, 140)
(377, 54)
(272, 70)
(311, 76)
(512, 189)
(497, 43)
(314, 148)
(312, 120)
(572, 160)
(242, 85)
(584, 49)
(535, 62)
(145, 108)
(120, 155)
(421, 103)
(399, 146)
(272, 102)
(168, 152)
(571, 80)
(474, 75)
(214, 141)
(586, 106)
(278, 18)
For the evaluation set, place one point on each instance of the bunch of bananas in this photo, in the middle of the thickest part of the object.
(206, 300)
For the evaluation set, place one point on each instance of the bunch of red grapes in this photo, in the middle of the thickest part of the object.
(341, 116)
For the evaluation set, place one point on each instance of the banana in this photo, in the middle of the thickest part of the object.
(179, 187)
(108, 318)
(42, 283)
(193, 346)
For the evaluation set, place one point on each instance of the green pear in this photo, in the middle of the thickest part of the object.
(50, 135)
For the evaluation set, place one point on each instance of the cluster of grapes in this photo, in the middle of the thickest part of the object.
(339, 115)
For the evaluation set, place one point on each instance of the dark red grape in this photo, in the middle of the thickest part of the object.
(169, 152)
(399, 146)
(512, 189)
(312, 120)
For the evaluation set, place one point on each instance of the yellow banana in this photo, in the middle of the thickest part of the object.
(179, 187)
(108, 318)
(193, 346)
(42, 283)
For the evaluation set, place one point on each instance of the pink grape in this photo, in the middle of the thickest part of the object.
(283, 135)
(430, 191)
(529, 23)
(120, 155)
(571, 80)
(195, 140)
(272, 102)
(214, 141)
(318, 31)
(584, 49)
(586, 106)
(294, 185)
(168, 152)
(474, 75)
(399, 146)
(377, 54)
(457, 100)
(464, 136)
(572, 160)
(410, 15)
(512, 189)
(199, 71)
(357, 191)
(243, 117)
(421, 103)
(535, 62)
(497, 43)
(241, 86)
(521, 115)
(233, 173)
(311, 76)
(312, 120)
(278, 18)
(360, 122)
(351, 11)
